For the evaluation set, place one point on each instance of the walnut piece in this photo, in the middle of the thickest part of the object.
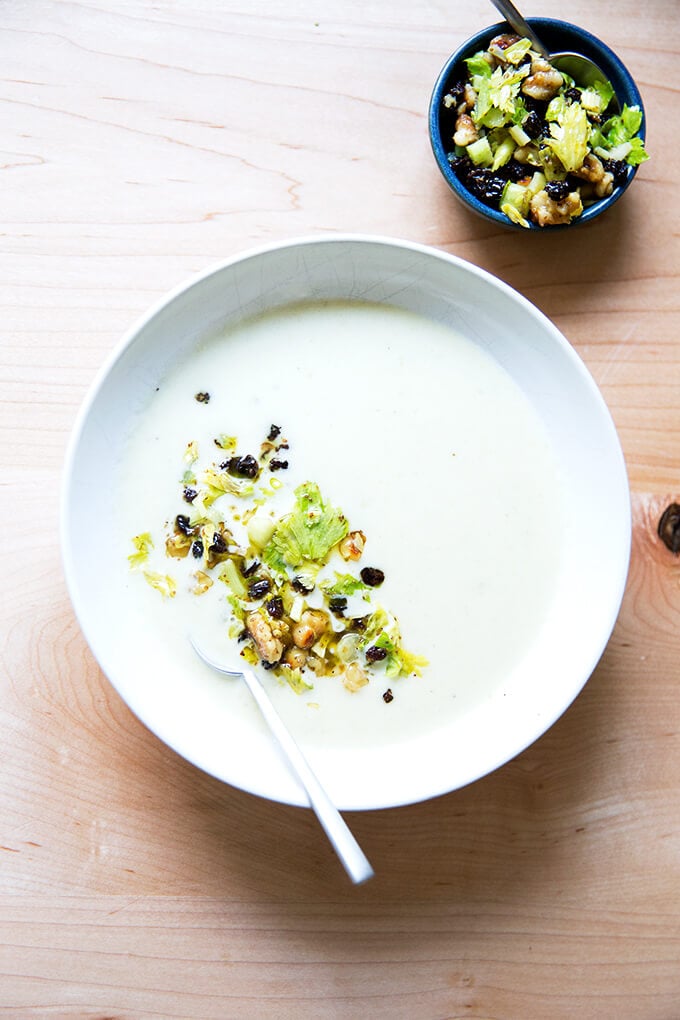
(352, 546)
(313, 623)
(268, 647)
(466, 132)
(548, 213)
(594, 172)
(354, 677)
(544, 81)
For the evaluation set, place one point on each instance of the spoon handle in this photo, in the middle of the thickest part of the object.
(348, 850)
(516, 21)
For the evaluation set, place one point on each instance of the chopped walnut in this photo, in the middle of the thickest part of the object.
(312, 625)
(549, 213)
(594, 172)
(466, 132)
(543, 82)
(295, 658)
(354, 677)
(352, 545)
(203, 583)
(469, 98)
(527, 154)
(500, 43)
(269, 648)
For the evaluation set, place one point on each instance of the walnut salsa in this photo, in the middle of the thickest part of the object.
(300, 605)
(530, 141)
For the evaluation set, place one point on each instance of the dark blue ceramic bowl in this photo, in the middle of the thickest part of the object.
(558, 36)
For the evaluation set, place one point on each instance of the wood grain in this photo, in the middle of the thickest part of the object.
(140, 143)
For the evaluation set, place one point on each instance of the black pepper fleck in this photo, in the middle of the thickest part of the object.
(669, 527)
(203, 398)
(372, 576)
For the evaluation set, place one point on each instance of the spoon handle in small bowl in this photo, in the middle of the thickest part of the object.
(516, 21)
(348, 850)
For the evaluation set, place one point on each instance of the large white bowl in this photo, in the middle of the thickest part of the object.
(555, 381)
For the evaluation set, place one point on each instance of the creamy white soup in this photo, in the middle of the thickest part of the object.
(429, 448)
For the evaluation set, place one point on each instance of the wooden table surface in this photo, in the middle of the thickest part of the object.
(142, 142)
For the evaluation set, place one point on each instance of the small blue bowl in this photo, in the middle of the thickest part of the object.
(558, 36)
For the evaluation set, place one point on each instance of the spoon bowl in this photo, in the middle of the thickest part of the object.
(582, 69)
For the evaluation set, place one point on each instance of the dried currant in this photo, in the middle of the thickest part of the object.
(242, 467)
(258, 589)
(557, 190)
(533, 124)
(275, 607)
(218, 545)
(183, 525)
(372, 576)
(618, 168)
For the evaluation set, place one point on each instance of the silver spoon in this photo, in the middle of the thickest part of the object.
(345, 845)
(583, 70)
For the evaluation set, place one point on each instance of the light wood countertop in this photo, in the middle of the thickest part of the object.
(141, 143)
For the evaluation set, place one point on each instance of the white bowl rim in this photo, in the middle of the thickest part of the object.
(528, 737)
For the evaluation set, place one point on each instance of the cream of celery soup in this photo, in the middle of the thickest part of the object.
(428, 448)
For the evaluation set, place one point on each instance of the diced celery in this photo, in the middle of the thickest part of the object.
(514, 215)
(519, 134)
(231, 577)
(621, 151)
(503, 153)
(516, 195)
(556, 108)
(494, 118)
(480, 152)
(516, 53)
(536, 184)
